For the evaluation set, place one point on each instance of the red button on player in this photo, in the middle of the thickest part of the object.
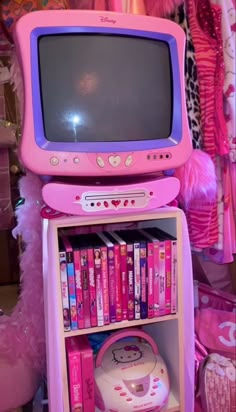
(126, 202)
(106, 204)
(117, 388)
(123, 394)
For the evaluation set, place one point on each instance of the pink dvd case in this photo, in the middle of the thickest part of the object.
(99, 291)
(153, 270)
(105, 286)
(79, 288)
(92, 288)
(168, 276)
(123, 274)
(85, 283)
(71, 281)
(64, 288)
(150, 269)
(74, 367)
(174, 276)
(111, 275)
(162, 268)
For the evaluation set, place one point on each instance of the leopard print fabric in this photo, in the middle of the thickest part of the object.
(191, 80)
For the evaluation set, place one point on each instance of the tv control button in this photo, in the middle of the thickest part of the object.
(128, 161)
(114, 160)
(117, 388)
(100, 161)
(54, 161)
(123, 394)
(76, 160)
(156, 379)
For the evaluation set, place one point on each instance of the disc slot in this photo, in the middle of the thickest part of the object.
(115, 196)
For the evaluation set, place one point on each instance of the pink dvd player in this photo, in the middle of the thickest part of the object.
(76, 199)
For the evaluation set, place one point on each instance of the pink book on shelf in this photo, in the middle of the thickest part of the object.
(74, 367)
(105, 286)
(87, 365)
(92, 288)
(79, 288)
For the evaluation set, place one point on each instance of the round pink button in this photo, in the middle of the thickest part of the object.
(153, 393)
(123, 394)
(156, 379)
(155, 387)
(117, 388)
(129, 399)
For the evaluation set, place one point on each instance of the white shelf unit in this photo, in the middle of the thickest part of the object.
(174, 334)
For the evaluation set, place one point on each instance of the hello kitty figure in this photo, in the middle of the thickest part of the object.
(130, 375)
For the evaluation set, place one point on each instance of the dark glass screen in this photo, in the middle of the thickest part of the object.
(97, 87)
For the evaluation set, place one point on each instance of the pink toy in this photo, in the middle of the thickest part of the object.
(119, 145)
(22, 343)
(130, 371)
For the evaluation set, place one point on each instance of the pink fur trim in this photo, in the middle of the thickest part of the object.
(197, 180)
(161, 8)
(22, 341)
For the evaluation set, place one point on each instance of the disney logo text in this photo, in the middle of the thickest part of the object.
(105, 19)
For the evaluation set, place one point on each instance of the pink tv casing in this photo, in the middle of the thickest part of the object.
(99, 162)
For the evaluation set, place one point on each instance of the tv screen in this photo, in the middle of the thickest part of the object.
(104, 88)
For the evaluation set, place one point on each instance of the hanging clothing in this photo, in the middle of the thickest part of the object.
(205, 26)
(229, 49)
(191, 81)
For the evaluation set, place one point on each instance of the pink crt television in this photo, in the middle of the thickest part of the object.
(104, 93)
